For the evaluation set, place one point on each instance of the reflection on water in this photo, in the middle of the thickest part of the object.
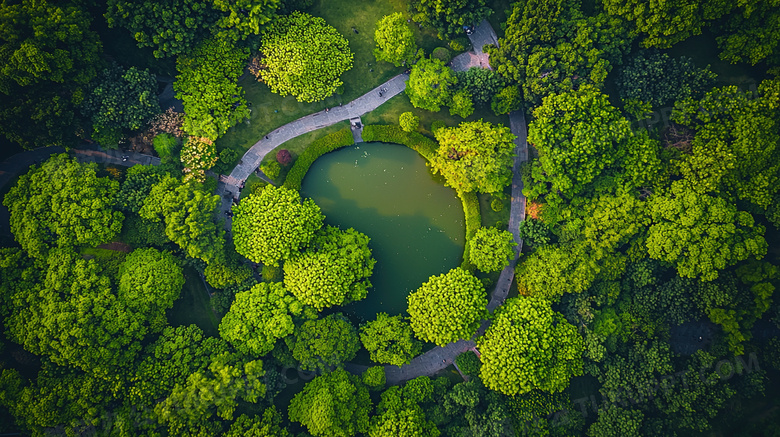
(415, 224)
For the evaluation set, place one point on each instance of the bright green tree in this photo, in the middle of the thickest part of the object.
(324, 343)
(197, 155)
(701, 234)
(394, 41)
(508, 99)
(304, 56)
(336, 404)
(171, 28)
(62, 204)
(207, 86)
(399, 414)
(243, 18)
(475, 156)
(580, 136)
(187, 211)
(461, 104)
(275, 224)
(149, 282)
(614, 421)
(449, 16)
(448, 307)
(389, 340)
(258, 317)
(333, 270)
(529, 346)
(409, 122)
(491, 249)
(120, 100)
(667, 23)
(431, 84)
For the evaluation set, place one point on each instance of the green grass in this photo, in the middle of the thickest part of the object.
(192, 307)
(490, 217)
(390, 111)
(269, 110)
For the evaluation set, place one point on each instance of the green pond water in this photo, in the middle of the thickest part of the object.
(385, 191)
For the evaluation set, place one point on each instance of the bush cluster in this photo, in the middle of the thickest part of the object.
(316, 149)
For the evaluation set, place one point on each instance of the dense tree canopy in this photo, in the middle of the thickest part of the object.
(580, 136)
(399, 414)
(150, 281)
(449, 17)
(304, 56)
(243, 18)
(490, 249)
(389, 340)
(701, 234)
(275, 224)
(448, 307)
(431, 84)
(170, 28)
(551, 47)
(120, 100)
(207, 86)
(325, 343)
(258, 317)
(333, 270)
(62, 204)
(663, 24)
(394, 41)
(529, 346)
(336, 404)
(481, 83)
(475, 156)
(187, 211)
(660, 80)
(751, 33)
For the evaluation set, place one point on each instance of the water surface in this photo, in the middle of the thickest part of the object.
(386, 192)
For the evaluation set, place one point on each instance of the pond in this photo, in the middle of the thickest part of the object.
(385, 191)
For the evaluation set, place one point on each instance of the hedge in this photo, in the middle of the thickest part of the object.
(470, 203)
(316, 149)
(394, 134)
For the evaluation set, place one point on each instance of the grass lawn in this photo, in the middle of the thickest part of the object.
(192, 307)
(490, 217)
(269, 110)
(390, 111)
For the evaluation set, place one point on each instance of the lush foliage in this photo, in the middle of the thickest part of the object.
(119, 100)
(207, 86)
(475, 156)
(660, 80)
(448, 307)
(334, 405)
(325, 343)
(529, 346)
(258, 317)
(491, 249)
(333, 270)
(431, 84)
(394, 41)
(409, 122)
(448, 16)
(481, 83)
(62, 204)
(389, 340)
(304, 56)
(416, 141)
(198, 155)
(751, 34)
(274, 225)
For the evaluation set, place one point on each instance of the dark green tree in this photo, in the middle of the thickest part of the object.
(751, 33)
(62, 204)
(483, 84)
(449, 16)
(324, 343)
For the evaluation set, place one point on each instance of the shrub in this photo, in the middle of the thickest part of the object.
(284, 158)
(473, 222)
(271, 169)
(316, 149)
(460, 44)
(441, 54)
(497, 205)
(534, 232)
(469, 363)
(164, 144)
(416, 141)
(374, 377)
(409, 122)
(227, 157)
(220, 275)
(437, 124)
